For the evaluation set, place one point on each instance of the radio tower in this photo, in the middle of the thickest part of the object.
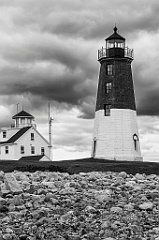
(50, 119)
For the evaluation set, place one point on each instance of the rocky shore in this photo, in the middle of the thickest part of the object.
(84, 206)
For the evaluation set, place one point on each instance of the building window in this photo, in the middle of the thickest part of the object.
(22, 120)
(22, 149)
(42, 150)
(109, 69)
(6, 149)
(107, 109)
(32, 136)
(108, 87)
(4, 134)
(32, 150)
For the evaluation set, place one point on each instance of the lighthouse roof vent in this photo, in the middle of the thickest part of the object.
(115, 35)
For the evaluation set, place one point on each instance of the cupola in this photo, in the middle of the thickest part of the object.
(23, 119)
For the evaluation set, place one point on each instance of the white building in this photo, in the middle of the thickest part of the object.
(23, 140)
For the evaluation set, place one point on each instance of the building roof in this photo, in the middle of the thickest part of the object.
(31, 158)
(17, 135)
(23, 114)
(115, 35)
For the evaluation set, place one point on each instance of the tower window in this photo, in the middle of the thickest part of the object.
(32, 136)
(109, 69)
(108, 87)
(6, 149)
(107, 109)
(4, 134)
(42, 150)
(32, 150)
(22, 149)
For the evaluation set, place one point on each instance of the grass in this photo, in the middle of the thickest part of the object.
(82, 165)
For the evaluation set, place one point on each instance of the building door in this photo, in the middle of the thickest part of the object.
(94, 148)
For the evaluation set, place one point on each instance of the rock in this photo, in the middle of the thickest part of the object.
(103, 196)
(66, 217)
(7, 236)
(4, 190)
(22, 177)
(4, 209)
(109, 238)
(67, 191)
(146, 206)
(116, 209)
(156, 230)
(9, 231)
(49, 195)
(2, 201)
(11, 207)
(23, 237)
(12, 184)
(130, 184)
(49, 184)
(105, 224)
(123, 174)
(18, 200)
(139, 176)
(129, 207)
(90, 209)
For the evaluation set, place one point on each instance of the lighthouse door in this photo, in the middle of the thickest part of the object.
(94, 147)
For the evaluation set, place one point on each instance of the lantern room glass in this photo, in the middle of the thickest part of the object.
(115, 43)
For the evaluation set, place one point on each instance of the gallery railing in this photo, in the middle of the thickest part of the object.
(115, 52)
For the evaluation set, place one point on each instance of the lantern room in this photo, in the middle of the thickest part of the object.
(115, 48)
(115, 45)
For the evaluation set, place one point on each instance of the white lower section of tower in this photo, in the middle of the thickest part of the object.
(116, 136)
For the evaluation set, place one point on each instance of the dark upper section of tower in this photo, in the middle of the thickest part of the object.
(115, 48)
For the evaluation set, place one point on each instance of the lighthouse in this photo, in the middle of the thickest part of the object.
(115, 127)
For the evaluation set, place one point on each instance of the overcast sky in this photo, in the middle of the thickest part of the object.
(48, 53)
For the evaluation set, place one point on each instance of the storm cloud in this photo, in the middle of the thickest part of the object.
(49, 48)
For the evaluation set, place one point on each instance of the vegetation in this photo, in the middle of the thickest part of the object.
(81, 165)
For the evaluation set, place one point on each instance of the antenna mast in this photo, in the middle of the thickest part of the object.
(17, 107)
(50, 119)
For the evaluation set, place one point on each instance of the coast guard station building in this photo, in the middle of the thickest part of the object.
(22, 140)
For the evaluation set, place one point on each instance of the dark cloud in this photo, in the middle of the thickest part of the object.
(48, 50)
(149, 104)
(92, 20)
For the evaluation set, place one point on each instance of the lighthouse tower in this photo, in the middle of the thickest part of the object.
(115, 128)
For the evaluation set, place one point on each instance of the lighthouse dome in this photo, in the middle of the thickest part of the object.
(115, 35)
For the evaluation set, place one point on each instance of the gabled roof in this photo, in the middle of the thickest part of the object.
(22, 114)
(17, 135)
(31, 158)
